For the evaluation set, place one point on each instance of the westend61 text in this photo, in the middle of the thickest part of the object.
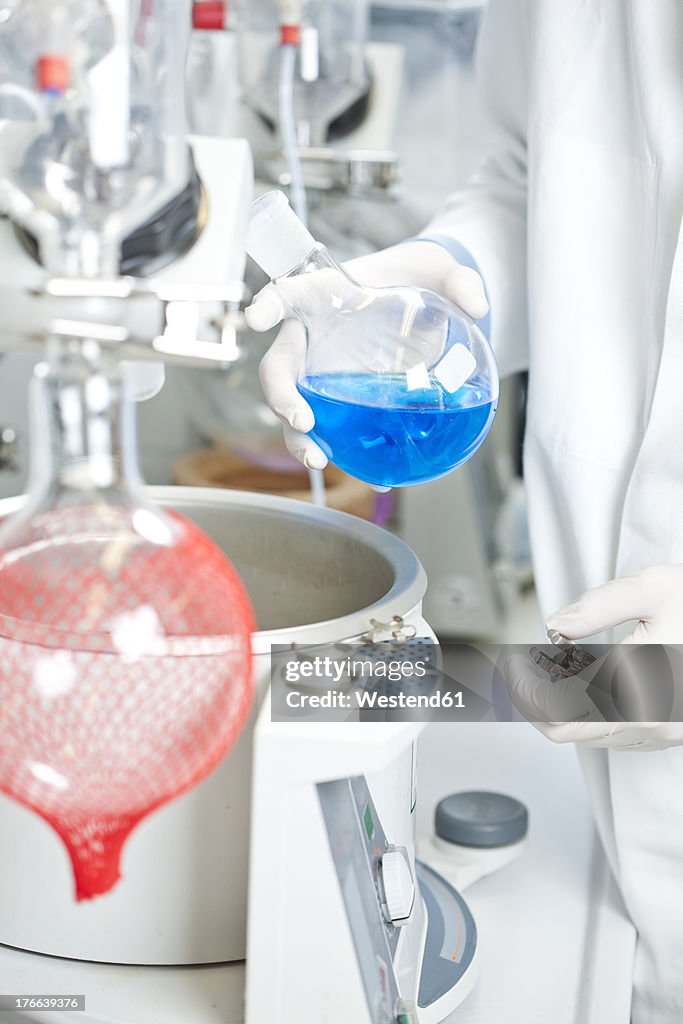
(372, 700)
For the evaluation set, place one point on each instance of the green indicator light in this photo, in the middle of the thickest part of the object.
(406, 1012)
(368, 821)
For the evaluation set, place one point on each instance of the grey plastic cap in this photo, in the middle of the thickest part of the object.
(481, 819)
(276, 239)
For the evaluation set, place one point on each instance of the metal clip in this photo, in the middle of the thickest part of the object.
(570, 660)
(397, 629)
(356, 172)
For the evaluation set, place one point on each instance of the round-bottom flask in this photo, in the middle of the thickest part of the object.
(403, 385)
(125, 664)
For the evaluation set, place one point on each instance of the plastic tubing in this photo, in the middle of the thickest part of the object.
(317, 483)
(288, 130)
(297, 191)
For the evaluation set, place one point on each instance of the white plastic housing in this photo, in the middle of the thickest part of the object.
(183, 895)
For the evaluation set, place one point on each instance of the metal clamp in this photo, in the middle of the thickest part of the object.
(571, 659)
(179, 323)
(357, 172)
(397, 629)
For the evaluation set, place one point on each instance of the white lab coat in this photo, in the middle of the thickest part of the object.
(575, 222)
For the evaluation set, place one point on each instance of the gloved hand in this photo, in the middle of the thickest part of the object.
(652, 598)
(646, 683)
(422, 264)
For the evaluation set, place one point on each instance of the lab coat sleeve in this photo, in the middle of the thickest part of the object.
(488, 217)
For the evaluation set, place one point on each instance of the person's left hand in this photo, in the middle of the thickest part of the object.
(649, 680)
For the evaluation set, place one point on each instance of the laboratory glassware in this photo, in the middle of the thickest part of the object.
(331, 81)
(93, 135)
(125, 662)
(402, 383)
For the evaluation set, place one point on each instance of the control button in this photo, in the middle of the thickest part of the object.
(481, 819)
(397, 885)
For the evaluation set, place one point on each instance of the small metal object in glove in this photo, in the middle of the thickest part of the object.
(570, 660)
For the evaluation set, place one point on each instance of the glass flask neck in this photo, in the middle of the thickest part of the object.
(344, 291)
(83, 426)
(319, 258)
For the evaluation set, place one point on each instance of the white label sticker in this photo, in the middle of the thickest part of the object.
(455, 368)
(417, 377)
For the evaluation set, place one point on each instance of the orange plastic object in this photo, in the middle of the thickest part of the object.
(290, 35)
(52, 73)
(211, 15)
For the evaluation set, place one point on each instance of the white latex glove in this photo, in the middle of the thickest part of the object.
(653, 599)
(421, 264)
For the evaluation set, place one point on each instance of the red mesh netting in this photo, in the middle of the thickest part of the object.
(125, 673)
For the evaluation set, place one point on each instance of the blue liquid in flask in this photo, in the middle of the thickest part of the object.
(377, 430)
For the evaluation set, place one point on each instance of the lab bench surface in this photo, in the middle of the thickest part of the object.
(554, 941)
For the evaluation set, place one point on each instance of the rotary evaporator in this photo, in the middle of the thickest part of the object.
(152, 815)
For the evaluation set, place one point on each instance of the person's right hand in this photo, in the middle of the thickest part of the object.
(422, 264)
